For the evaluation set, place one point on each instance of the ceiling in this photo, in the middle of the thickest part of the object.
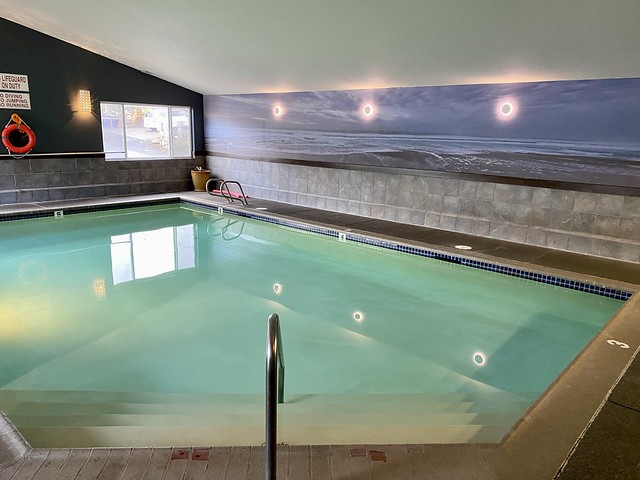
(255, 46)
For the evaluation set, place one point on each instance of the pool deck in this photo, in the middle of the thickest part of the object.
(586, 426)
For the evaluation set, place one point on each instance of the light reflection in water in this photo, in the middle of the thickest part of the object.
(100, 288)
(151, 253)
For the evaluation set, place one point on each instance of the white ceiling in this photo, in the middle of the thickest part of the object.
(251, 46)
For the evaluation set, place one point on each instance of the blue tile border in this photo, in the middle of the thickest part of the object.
(49, 212)
(492, 267)
(424, 252)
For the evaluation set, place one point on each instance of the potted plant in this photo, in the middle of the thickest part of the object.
(199, 176)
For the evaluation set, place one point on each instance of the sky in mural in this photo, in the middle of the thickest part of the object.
(584, 131)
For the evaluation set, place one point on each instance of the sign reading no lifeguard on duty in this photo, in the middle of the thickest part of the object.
(11, 86)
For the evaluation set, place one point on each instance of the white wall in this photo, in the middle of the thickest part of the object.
(235, 46)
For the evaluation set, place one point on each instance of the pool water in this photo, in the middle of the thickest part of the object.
(144, 308)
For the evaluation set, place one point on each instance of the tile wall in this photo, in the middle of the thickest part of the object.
(44, 179)
(593, 223)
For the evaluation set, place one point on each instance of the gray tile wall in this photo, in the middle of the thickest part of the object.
(593, 223)
(30, 180)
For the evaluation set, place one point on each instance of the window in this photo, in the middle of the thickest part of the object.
(131, 131)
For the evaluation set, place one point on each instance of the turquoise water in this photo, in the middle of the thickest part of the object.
(147, 327)
(175, 299)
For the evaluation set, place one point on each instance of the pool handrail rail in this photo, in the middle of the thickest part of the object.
(225, 192)
(275, 395)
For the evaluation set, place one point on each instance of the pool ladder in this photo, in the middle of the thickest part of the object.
(275, 392)
(225, 192)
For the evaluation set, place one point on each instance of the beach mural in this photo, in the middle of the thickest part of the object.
(585, 131)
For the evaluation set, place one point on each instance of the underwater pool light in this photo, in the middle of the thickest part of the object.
(479, 359)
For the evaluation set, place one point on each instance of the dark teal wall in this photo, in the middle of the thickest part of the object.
(56, 71)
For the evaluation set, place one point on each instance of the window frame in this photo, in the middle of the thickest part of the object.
(123, 129)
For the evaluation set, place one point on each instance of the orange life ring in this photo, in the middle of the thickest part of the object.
(21, 127)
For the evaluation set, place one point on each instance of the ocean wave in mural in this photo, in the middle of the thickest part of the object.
(577, 131)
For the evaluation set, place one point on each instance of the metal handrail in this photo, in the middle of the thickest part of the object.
(224, 191)
(230, 198)
(275, 376)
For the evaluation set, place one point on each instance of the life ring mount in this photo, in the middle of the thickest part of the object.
(17, 136)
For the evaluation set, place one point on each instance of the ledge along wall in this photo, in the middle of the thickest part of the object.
(558, 169)
(67, 162)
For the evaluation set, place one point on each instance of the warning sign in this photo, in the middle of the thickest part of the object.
(14, 82)
(15, 101)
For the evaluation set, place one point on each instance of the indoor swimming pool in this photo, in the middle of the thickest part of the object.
(146, 326)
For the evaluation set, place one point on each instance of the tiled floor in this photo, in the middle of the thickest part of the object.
(535, 450)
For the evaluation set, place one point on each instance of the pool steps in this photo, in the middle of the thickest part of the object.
(124, 419)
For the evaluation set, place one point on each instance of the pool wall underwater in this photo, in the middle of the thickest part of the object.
(603, 290)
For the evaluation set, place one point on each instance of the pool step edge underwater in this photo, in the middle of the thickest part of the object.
(57, 420)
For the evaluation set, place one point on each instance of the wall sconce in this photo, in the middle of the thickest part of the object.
(84, 101)
(368, 112)
(278, 110)
(506, 109)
